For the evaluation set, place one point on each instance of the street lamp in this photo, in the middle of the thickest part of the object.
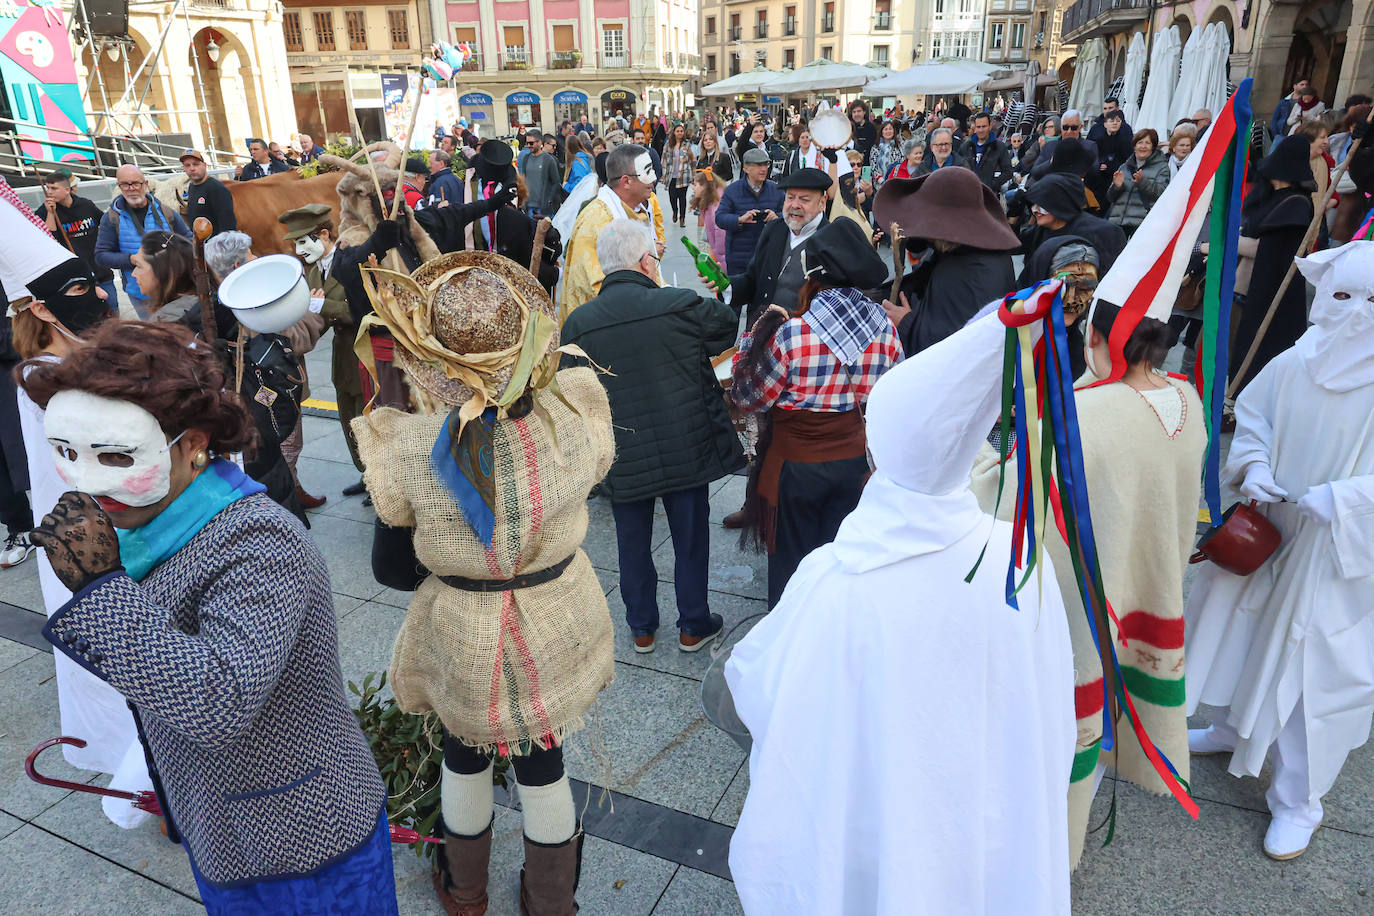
(112, 51)
(212, 51)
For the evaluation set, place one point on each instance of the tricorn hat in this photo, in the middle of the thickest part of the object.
(947, 205)
(806, 179)
(840, 254)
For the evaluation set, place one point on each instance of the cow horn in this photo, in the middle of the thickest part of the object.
(393, 152)
(344, 165)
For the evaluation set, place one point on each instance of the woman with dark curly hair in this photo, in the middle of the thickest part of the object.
(209, 608)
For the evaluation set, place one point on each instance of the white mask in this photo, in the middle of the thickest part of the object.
(309, 250)
(1338, 350)
(109, 448)
(644, 169)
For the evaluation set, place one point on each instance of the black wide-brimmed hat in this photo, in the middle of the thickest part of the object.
(840, 254)
(807, 179)
(947, 205)
(1289, 160)
(493, 162)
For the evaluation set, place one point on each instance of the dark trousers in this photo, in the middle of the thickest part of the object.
(677, 197)
(812, 501)
(15, 513)
(689, 523)
(537, 768)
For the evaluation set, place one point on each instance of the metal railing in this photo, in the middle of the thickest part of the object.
(1085, 11)
(761, 30)
(828, 22)
(736, 32)
(565, 60)
(515, 59)
(789, 26)
(614, 61)
(882, 22)
(473, 63)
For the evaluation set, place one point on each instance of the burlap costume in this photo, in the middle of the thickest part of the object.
(504, 670)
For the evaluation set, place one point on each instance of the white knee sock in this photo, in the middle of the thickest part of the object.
(466, 801)
(549, 815)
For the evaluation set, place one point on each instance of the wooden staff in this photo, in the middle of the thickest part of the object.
(209, 332)
(1307, 241)
(894, 232)
(376, 183)
(405, 150)
(537, 255)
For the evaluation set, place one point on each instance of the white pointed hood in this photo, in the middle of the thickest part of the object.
(1338, 350)
(28, 252)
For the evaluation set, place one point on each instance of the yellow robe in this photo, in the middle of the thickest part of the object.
(581, 270)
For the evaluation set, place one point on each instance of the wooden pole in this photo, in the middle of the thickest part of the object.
(1307, 241)
(537, 255)
(209, 331)
(405, 150)
(898, 263)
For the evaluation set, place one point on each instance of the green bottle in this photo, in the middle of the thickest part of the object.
(707, 266)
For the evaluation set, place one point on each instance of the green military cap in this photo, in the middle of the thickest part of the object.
(305, 220)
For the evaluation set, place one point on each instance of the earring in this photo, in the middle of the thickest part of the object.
(200, 459)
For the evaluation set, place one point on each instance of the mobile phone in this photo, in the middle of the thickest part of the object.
(867, 173)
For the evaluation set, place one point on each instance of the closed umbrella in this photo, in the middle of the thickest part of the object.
(1214, 75)
(749, 81)
(1188, 94)
(1159, 89)
(1089, 78)
(947, 76)
(819, 75)
(1133, 83)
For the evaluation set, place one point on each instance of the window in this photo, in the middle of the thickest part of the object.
(356, 26)
(882, 15)
(937, 44)
(291, 28)
(398, 23)
(513, 39)
(880, 54)
(710, 25)
(761, 57)
(1018, 35)
(734, 63)
(734, 27)
(828, 52)
(939, 8)
(324, 31)
(563, 38)
(613, 45)
(828, 19)
(995, 42)
(1042, 24)
(761, 25)
(710, 63)
(789, 58)
(789, 20)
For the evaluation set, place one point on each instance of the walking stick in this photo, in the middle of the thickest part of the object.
(405, 150)
(209, 332)
(895, 233)
(1307, 241)
(541, 230)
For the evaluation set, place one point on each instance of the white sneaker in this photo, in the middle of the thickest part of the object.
(1203, 742)
(16, 550)
(1286, 840)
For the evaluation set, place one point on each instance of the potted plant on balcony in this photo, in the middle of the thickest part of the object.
(516, 65)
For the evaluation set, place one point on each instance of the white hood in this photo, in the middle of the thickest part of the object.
(1338, 350)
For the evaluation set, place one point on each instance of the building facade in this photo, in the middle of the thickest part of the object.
(219, 79)
(544, 61)
(1330, 42)
(338, 52)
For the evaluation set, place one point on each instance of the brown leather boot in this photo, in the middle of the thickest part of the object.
(735, 520)
(308, 501)
(461, 881)
(548, 880)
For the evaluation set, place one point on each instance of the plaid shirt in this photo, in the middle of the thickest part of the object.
(805, 375)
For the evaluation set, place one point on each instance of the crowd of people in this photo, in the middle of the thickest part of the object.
(505, 347)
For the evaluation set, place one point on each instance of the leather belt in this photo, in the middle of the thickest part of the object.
(525, 580)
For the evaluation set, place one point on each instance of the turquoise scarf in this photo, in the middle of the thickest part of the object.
(220, 484)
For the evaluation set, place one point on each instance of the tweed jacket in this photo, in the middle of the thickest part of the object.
(228, 653)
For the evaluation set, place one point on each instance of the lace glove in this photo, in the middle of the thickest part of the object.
(80, 541)
(1259, 484)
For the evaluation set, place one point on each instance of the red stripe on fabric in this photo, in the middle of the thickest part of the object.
(1160, 632)
(1088, 699)
(536, 520)
(1138, 303)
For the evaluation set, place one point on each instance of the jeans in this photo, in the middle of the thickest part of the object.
(688, 522)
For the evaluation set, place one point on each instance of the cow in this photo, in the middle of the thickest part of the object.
(258, 203)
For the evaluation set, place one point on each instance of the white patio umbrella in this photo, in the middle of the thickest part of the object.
(1188, 94)
(947, 76)
(1214, 74)
(1089, 79)
(1134, 81)
(749, 81)
(818, 75)
(1159, 89)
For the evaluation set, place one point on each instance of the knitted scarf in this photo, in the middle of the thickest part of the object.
(219, 485)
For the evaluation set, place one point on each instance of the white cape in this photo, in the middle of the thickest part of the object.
(913, 735)
(1302, 625)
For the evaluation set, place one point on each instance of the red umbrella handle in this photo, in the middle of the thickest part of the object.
(146, 801)
(406, 835)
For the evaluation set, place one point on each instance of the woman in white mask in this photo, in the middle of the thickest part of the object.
(209, 608)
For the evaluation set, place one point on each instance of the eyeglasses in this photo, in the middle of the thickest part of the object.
(1072, 127)
(131, 185)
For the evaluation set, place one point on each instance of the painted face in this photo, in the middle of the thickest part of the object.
(112, 450)
(309, 249)
(644, 169)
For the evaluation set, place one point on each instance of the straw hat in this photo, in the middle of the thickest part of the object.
(462, 323)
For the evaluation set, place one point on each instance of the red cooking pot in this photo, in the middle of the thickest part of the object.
(1241, 543)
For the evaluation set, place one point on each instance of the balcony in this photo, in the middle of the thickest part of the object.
(667, 60)
(761, 30)
(828, 22)
(473, 63)
(565, 60)
(789, 26)
(736, 32)
(882, 22)
(1099, 18)
(614, 61)
(515, 58)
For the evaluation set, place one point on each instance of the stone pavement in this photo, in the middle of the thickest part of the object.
(679, 782)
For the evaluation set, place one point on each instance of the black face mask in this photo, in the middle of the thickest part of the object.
(76, 311)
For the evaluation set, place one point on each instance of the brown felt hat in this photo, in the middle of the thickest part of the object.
(947, 205)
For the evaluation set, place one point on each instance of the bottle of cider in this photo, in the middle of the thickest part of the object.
(707, 266)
